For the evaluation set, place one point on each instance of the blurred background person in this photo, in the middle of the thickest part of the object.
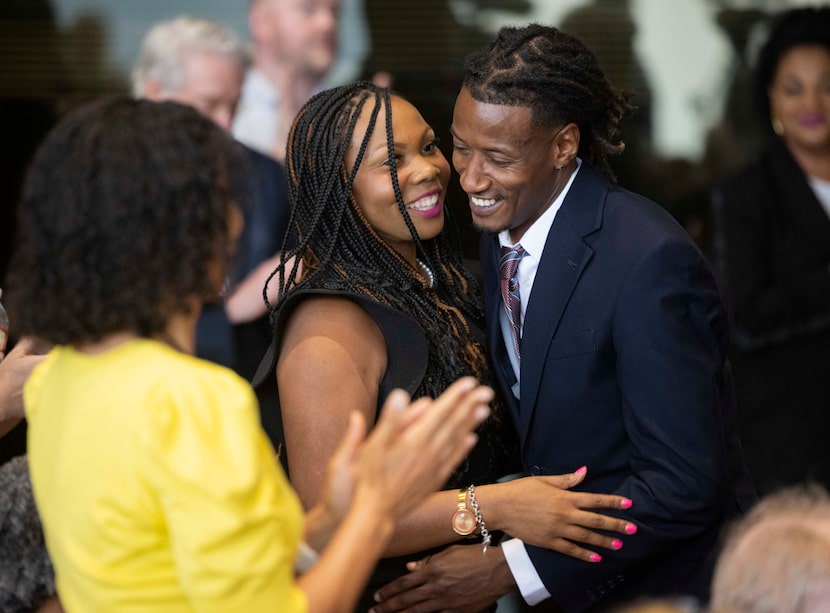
(353, 43)
(776, 559)
(294, 44)
(15, 368)
(201, 63)
(27, 579)
(773, 221)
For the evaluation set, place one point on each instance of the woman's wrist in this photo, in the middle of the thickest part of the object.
(490, 501)
(320, 524)
(370, 513)
(367, 510)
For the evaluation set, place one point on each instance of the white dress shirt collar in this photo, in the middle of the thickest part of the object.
(258, 90)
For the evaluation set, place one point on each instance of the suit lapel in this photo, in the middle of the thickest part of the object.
(563, 262)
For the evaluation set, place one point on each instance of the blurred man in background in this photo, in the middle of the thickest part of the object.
(202, 64)
(294, 46)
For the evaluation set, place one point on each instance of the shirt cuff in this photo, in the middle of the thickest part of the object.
(524, 573)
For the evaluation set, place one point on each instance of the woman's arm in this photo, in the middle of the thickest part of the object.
(412, 451)
(245, 302)
(332, 360)
(538, 510)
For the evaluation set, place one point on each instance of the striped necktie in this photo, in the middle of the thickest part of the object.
(508, 269)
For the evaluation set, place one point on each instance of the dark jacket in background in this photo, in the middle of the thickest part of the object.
(266, 211)
(773, 241)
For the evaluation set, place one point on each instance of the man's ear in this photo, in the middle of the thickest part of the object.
(153, 91)
(565, 145)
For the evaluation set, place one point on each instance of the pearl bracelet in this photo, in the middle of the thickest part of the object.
(482, 528)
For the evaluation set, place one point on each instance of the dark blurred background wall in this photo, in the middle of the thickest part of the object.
(686, 60)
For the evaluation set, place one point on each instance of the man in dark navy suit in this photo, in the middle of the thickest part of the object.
(202, 64)
(608, 331)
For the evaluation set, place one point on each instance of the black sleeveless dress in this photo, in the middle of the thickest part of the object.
(495, 455)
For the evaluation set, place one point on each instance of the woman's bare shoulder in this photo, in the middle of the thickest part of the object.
(326, 314)
(329, 328)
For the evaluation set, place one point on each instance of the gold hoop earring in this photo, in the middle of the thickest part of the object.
(777, 126)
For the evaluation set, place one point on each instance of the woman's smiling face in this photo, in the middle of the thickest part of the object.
(423, 174)
(800, 97)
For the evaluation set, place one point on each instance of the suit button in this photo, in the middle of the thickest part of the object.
(591, 595)
(535, 470)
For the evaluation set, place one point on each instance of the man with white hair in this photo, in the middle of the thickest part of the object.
(195, 62)
(294, 46)
(777, 557)
(202, 64)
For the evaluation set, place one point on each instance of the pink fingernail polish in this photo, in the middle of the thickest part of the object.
(625, 504)
(595, 557)
(581, 469)
(616, 544)
(630, 529)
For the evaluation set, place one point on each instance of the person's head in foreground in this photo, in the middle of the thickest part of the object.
(127, 220)
(777, 558)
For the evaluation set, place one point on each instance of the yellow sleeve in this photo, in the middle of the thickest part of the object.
(233, 521)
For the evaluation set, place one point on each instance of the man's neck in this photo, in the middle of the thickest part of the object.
(294, 85)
